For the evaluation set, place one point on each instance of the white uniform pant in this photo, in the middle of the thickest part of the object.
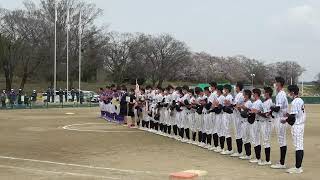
(166, 117)
(226, 125)
(297, 132)
(246, 131)
(184, 119)
(256, 133)
(191, 121)
(281, 132)
(198, 121)
(266, 129)
(172, 118)
(207, 123)
(179, 116)
(237, 124)
(213, 119)
(218, 125)
(162, 116)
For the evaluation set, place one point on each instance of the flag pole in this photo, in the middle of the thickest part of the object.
(68, 27)
(55, 47)
(80, 50)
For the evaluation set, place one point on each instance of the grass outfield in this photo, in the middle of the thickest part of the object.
(49, 144)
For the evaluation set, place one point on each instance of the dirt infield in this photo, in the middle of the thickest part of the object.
(49, 144)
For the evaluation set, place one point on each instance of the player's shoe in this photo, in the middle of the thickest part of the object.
(226, 152)
(278, 166)
(254, 160)
(211, 148)
(295, 170)
(218, 149)
(245, 157)
(189, 141)
(236, 154)
(202, 145)
(264, 163)
(207, 146)
(184, 140)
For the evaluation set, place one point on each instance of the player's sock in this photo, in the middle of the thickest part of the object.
(209, 138)
(229, 143)
(239, 145)
(194, 134)
(299, 158)
(215, 140)
(169, 129)
(175, 130)
(204, 137)
(187, 131)
(283, 152)
(200, 136)
(247, 148)
(267, 152)
(222, 139)
(181, 132)
(257, 150)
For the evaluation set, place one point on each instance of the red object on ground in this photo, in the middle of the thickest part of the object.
(183, 175)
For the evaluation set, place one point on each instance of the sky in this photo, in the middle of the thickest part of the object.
(270, 31)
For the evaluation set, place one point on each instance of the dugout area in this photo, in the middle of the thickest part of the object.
(75, 144)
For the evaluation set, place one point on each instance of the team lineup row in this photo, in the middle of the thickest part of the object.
(210, 118)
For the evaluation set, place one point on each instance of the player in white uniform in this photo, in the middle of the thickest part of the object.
(174, 116)
(207, 120)
(266, 124)
(238, 101)
(212, 99)
(296, 118)
(227, 119)
(218, 105)
(184, 120)
(198, 117)
(280, 109)
(194, 123)
(189, 115)
(257, 108)
(245, 126)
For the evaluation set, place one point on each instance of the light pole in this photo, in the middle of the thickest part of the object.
(252, 76)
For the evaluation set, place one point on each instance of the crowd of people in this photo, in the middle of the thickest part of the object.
(213, 117)
(19, 98)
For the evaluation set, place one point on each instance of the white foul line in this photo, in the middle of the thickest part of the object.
(57, 172)
(76, 165)
(69, 127)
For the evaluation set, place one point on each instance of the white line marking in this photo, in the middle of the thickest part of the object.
(57, 172)
(76, 165)
(69, 127)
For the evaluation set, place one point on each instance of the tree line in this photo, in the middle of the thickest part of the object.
(27, 52)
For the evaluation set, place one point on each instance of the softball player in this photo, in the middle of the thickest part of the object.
(190, 116)
(212, 99)
(219, 103)
(207, 121)
(296, 118)
(194, 115)
(184, 130)
(266, 124)
(238, 101)
(174, 118)
(257, 107)
(245, 126)
(198, 117)
(227, 119)
(280, 109)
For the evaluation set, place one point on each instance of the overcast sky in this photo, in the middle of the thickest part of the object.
(273, 30)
